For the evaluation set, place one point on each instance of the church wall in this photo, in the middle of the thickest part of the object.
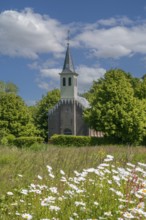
(82, 128)
(54, 123)
(65, 117)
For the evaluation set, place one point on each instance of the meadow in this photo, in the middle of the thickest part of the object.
(47, 182)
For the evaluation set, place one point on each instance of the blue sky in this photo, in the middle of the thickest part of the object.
(104, 34)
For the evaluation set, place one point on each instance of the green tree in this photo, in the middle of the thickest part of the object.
(41, 111)
(115, 110)
(8, 87)
(15, 117)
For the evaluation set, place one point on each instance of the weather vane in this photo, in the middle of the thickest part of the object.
(68, 37)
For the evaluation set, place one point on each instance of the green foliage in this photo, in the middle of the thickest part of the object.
(27, 141)
(80, 141)
(8, 87)
(41, 111)
(115, 110)
(15, 117)
(70, 140)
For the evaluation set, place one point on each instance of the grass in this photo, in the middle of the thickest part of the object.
(75, 198)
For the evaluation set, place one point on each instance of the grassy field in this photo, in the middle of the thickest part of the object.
(73, 183)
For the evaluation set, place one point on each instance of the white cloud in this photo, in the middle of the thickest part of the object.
(115, 21)
(51, 73)
(27, 34)
(87, 75)
(49, 79)
(115, 41)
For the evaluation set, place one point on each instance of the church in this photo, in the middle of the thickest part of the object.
(66, 117)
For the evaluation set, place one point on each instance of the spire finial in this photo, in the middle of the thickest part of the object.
(68, 37)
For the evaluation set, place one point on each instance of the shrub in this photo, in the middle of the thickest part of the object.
(27, 141)
(7, 140)
(70, 140)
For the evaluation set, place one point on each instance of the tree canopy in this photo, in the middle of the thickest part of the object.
(40, 113)
(8, 87)
(115, 109)
(15, 117)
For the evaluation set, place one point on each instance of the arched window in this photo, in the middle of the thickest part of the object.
(67, 131)
(64, 81)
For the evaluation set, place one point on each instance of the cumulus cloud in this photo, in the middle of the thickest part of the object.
(115, 41)
(87, 75)
(53, 73)
(49, 78)
(27, 34)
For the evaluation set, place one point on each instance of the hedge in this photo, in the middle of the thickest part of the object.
(27, 141)
(70, 140)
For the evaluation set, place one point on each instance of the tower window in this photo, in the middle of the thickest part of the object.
(69, 81)
(64, 81)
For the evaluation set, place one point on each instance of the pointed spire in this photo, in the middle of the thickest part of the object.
(68, 63)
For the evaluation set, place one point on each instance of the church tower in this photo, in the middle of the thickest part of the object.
(66, 117)
(68, 78)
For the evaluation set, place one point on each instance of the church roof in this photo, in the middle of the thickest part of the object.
(68, 63)
(80, 101)
(83, 101)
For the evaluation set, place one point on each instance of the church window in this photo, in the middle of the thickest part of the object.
(64, 81)
(69, 81)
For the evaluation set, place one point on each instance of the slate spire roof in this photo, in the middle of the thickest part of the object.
(68, 63)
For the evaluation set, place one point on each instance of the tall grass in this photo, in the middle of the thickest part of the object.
(56, 183)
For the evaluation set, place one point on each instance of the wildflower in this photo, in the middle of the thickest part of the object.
(75, 214)
(14, 204)
(39, 177)
(51, 175)
(128, 215)
(46, 201)
(141, 205)
(20, 175)
(131, 165)
(108, 214)
(49, 168)
(17, 213)
(54, 208)
(62, 172)
(73, 187)
(90, 170)
(63, 179)
(21, 200)
(10, 194)
(69, 192)
(107, 160)
(142, 164)
(109, 182)
(27, 216)
(53, 189)
(96, 203)
(80, 203)
(24, 191)
(110, 156)
(138, 196)
(104, 165)
(142, 191)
